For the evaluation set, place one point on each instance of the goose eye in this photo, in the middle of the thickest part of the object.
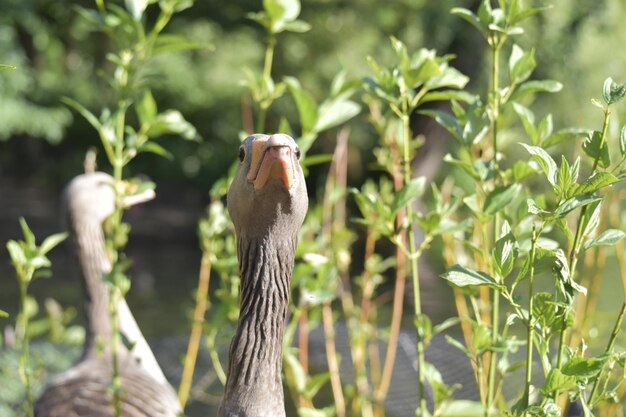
(242, 153)
(298, 153)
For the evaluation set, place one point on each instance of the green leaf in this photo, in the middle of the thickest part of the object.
(591, 219)
(521, 64)
(463, 408)
(521, 170)
(335, 112)
(500, 197)
(579, 367)
(613, 92)
(594, 148)
(146, 108)
(171, 122)
(29, 236)
(505, 254)
(136, 8)
(314, 384)
(564, 135)
(451, 77)
(307, 107)
(155, 148)
(317, 159)
(408, 193)
(297, 26)
(448, 121)
(461, 276)
(89, 116)
(18, 257)
(597, 181)
(168, 42)
(575, 202)
(537, 86)
(545, 128)
(528, 121)
(459, 345)
(50, 242)
(557, 381)
(533, 208)
(447, 95)
(38, 262)
(464, 165)
(310, 412)
(282, 10)
(294, 372)
(545, 161)
(3, 313)
(471, 18)
(608, 238)
(7, 67)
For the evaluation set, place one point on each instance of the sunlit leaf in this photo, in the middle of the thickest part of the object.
(155, 148)
(136, 8)
(408, 193)
(501, 197)
(521, 64)
(51, 241)
(537, 86)
(608, 238)
(471, 18)
(528, 121)
(597, 181)
(461, 276)
(575, 202)
(16, 253)
(545, 161)
(557, 381)
(307, 107)
(580, 367)
(448, 121)
(613, 92)
(597, 149)
(335, 112)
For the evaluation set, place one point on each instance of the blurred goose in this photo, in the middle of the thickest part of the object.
(84, 390)
(267, 202)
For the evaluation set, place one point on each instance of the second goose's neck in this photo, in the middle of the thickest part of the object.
(91, 252)
(254, 387)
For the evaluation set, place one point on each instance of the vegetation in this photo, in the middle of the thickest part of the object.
(526, 240)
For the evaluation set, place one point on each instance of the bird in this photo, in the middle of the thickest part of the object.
(267, 202)
(85, 389)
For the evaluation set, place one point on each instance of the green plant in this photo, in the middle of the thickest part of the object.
(556, 226)
(30, 262)
(135, 46)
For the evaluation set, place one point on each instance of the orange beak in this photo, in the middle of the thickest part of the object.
(271, 158)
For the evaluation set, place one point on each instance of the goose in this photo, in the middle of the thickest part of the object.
(85, 389)
(267, 202)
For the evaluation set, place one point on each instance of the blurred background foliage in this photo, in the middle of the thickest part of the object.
(58, 54)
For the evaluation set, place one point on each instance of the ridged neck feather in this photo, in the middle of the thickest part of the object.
(254, 387)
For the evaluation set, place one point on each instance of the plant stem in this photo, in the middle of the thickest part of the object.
(265, 99)
(196, 330)
(495, 310)
(578, 237)
(609, 348)
(531, 325)
(495, 104)
(331, 358)
(115, 295)
(414, 261)
(24, 361)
